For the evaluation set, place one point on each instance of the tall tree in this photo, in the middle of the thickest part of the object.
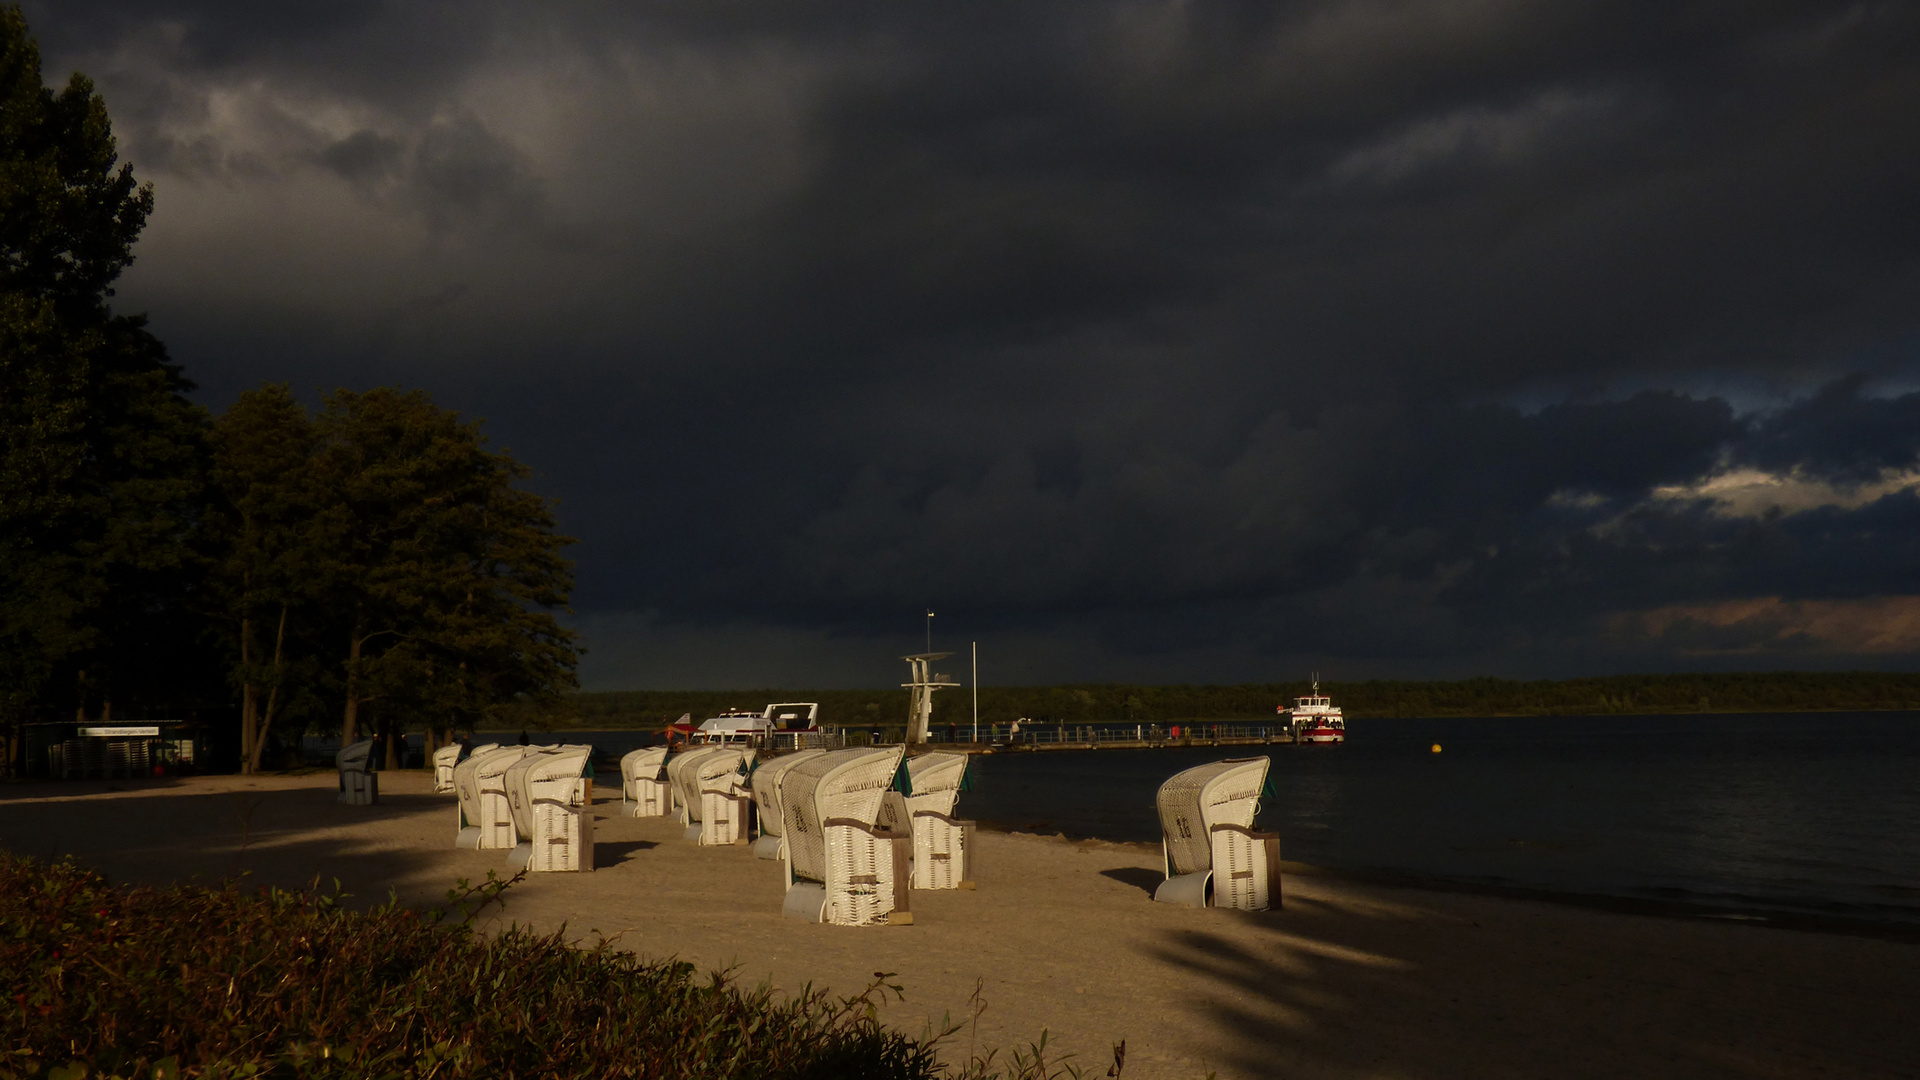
(263, 449)
(444, 576)
(100, 450)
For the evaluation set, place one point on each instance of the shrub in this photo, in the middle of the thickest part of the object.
(235, 982)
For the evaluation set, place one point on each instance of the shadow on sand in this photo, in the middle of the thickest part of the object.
(1144, 878)
(606, 854)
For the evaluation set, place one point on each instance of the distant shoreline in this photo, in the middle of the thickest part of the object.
(585, 725)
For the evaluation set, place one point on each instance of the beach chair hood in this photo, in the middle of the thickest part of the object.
(1193, 801)
(768, 808)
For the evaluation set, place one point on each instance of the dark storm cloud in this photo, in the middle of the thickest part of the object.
(1169, 340)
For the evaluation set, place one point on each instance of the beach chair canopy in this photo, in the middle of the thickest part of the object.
(483, 748)
(547, 773)
(538, 761)
(355, 757)
(766, 788)
(1193, 801)
(834, 784)
(482, 772)
(643, 764)
(444, 760)
(686, 791)
(936, 781)
(705, 768)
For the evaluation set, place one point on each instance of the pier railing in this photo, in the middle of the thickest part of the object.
(1089, 736)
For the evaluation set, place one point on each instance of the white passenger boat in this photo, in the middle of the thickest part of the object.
(1315, 718)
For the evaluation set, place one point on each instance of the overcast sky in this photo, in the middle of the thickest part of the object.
(1141, 341)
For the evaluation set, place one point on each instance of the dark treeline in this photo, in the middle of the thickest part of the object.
(366, 567)
(1113, 703)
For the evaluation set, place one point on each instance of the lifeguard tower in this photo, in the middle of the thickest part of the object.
(925, 682)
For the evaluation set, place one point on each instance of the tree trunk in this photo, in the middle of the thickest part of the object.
(350, 722)
(391, 730)
(249, 705)
(265, 721)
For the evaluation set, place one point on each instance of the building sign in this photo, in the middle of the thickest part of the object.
(118, 732)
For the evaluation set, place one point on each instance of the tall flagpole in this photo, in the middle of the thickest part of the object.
(976, 691)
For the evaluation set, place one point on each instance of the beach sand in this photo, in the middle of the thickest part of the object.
(1350, 980)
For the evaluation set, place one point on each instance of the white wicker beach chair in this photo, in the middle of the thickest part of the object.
(726, 799)
(766, 803)
(444, 759)
(551, 801)
(483, 748)
(359, 784)
(486, 818)
(943, 845)
(643, 783)
(842, 866)
(686, 793)
(1213, 856)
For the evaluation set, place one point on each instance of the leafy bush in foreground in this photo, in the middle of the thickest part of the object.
(226, 982)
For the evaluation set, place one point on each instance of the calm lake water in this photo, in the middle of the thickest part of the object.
(1815, 813)
(1811, 813)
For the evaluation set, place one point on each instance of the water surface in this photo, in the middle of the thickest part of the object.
(1815, 813)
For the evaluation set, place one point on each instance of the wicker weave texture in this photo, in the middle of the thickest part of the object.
(860, 885)
(836, 784)
(936, 782)
(723, 817)
(480, 784)
(1194, 800)
(942, 851)
(359, 788)
(551, 772)
(651, 798)
(444, 759)
(553, 787)
(1242, 874)
(643, 764)
(766, 790)
(686, 791)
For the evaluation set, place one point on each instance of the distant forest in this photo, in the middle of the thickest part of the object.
(1111, 703)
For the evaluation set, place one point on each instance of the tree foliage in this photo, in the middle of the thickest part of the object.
(377, 554)
(101, 452)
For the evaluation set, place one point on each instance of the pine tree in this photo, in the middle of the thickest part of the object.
(101, 453)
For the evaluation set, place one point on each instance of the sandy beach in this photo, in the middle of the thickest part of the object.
(1349, 980)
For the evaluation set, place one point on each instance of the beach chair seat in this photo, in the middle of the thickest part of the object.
(1213, 856)
(359, 784)
(943, 851)
(1246, 868)
(444, 760)
(551, 800)
(479, 783)
(767, 811)
(943, 847)
(842, 865)
(643, 783)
